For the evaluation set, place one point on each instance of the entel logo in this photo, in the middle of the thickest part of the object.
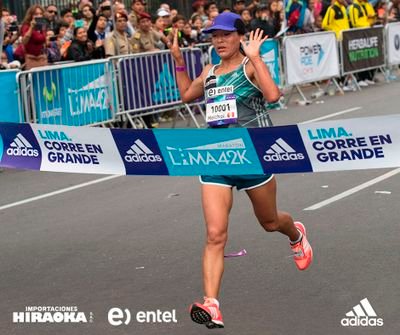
(118, 316)
(281, 151)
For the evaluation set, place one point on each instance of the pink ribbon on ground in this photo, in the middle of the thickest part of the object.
(242, 252)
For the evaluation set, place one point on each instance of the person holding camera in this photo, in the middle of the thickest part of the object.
(33, 33)
(10, 35)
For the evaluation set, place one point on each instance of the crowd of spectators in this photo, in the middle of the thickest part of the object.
(79, 33)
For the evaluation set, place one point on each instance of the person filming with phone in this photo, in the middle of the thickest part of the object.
(33, 32)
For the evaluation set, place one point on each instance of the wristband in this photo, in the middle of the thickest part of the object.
(180, 68)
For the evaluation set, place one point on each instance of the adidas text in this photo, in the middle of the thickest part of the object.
(143, 158)
(283, 157)
(24, 152)
(362, 321)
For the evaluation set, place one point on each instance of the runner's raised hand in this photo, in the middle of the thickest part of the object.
(252, 48)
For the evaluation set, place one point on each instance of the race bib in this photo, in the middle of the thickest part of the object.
(221, 106)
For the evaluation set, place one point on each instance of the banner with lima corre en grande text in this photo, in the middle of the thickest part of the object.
(362, 143)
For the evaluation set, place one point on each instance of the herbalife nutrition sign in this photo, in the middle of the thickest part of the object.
(362, 49)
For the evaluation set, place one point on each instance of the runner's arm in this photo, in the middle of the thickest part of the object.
(189, 90)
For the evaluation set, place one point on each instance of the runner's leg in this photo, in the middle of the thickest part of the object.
(263, 199)
(217, 203)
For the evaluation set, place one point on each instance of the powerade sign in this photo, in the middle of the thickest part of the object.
(280, 149)
(269, 52)
(19, 147)
(74, 95)
(206, 151)
(362, 49)
(311, 56)
(150, 80)
(140, 152)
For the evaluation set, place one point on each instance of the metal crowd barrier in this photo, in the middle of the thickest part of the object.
(147, 83)
(76, 94)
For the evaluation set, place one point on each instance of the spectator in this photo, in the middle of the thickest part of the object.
(53, 51)
(11, 34)
(369, 11)
(212, 14)
(188, 35)
(336, 18)
(66, 16)
(357, 15)
(81, 48)
(264, 21)
(178, 23)
(87, 15)
(60, 32)
(246, 18)
(97, 32)
(106, 10)
(118, 43)
(197, 25)
(174, 13)
(51, 16)
(137, 7)
(209, 7)
(159, 24)
(145, 38)
(238, 6)
(166, 15)
(7, 65)
(33, 32)
(198, 9)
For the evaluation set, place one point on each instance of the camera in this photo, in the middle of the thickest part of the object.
(40, 23)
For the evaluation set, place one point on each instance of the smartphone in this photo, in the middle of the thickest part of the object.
(40, 23)
(53, 38)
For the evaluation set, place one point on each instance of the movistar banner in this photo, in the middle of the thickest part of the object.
(364, 143)
(74, 96)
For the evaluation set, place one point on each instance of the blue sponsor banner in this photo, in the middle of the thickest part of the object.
(19, 147)
(74, 96)
(281, 149)
(150, 80)
(9, 97)
(140, 152)
(269, 52)
(190, 152)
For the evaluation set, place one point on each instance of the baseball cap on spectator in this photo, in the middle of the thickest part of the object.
(163, 12)
(144, 15)
(261, 7)
(227, 21)
(121, 15)
(141, 1)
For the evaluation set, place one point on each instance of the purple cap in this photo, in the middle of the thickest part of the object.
(227, 21)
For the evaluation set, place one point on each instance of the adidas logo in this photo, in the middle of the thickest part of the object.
(140, 153)
(21, 147)
(362, 315)
(281, 151)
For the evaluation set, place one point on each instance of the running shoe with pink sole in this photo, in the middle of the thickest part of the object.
(302, 251)
(207, 314)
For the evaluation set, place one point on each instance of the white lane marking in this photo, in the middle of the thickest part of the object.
(353, 190)
(63, 190)
(332, 115)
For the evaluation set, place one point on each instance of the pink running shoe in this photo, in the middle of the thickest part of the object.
(207, 314)
(303, 254)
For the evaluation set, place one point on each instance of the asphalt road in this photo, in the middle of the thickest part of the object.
(135, 243)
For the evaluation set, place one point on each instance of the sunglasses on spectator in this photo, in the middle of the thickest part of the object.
(52, 12)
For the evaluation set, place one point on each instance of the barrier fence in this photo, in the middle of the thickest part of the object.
(76, 94)
(98, 92)
(147, 82)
